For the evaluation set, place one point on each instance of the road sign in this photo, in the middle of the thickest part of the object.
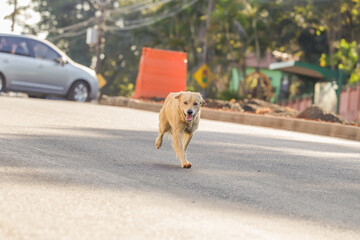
(204, 76)
(101, 80)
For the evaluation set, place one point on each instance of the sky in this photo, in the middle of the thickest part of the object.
(5, 25)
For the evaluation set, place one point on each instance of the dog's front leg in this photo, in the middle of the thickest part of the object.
(179, 149)
(186, 140)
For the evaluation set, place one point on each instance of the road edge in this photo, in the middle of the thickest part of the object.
(284, 123)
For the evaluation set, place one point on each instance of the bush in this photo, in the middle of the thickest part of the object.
(228, 95)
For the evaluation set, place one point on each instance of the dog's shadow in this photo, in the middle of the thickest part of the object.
(166, 166)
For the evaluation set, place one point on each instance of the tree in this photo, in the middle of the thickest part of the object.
(16, 11)
(239, 27)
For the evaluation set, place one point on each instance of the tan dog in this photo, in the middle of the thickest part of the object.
(180, 116)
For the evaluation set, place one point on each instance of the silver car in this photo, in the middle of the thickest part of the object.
(40, 69)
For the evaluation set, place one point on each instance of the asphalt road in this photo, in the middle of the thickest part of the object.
(84, 171)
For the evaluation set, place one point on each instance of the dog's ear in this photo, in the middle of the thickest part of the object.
(178, 96)
(202, 101)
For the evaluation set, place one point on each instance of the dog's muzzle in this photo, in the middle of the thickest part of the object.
(189, 115)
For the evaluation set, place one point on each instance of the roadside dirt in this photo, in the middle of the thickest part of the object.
(258, 106)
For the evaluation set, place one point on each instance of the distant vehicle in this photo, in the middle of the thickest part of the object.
(40, 69)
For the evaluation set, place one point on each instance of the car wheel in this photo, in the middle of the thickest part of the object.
(2, 83)
(79, 92)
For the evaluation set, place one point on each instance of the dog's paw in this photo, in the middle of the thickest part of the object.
(187, 165)
(158, 143)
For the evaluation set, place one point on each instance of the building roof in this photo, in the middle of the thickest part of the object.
(251, 61)
(269, 58)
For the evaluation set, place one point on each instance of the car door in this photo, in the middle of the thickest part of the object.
(52, 74)
(16, 63)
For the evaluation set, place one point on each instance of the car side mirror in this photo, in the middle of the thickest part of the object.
(61, 61)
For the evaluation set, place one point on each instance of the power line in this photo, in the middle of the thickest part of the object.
(139, 6)
(150, 20)
(145, 4)
(66, 35)
(127, 9)
(133, 7)
(74, 29)
(146, 19)
(75, 26)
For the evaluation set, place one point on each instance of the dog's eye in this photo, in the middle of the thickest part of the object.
(185, 103)
(195, 103)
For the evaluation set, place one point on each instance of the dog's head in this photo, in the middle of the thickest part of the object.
(190, 103)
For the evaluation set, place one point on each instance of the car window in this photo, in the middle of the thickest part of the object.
(42, 51)
(4, 45)
(14, 45)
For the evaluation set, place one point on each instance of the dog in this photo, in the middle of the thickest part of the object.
(180, 116)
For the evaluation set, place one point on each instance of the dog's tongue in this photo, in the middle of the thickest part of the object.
(189, 118)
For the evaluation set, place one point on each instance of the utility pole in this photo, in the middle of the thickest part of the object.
(210, 8)
(100, 37)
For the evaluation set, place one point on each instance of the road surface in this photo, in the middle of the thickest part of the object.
(85, 171)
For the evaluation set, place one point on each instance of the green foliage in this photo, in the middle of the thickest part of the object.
(346, 58)
(228, 95)
(355, 77)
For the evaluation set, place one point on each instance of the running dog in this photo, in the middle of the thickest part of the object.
(180, 116)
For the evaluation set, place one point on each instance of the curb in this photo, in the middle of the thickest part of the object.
(290, 124)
